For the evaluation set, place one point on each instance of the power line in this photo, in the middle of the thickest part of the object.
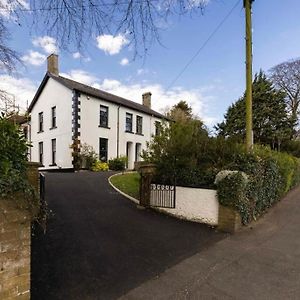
(203, 45)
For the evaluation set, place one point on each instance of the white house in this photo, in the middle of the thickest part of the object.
(65, 112)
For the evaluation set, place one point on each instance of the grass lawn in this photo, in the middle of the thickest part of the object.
(128, 183)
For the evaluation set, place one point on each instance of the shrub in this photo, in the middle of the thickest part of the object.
(118, 163)
(271, 175)
(88, 156)
(99, 166)
(13, 160)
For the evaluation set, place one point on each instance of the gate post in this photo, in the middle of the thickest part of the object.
(147, 172)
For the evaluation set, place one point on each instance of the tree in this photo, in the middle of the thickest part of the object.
(286, 76)
(271, 122)
(180, 112)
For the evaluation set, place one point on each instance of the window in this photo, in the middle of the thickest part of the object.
(138, 149)
(53, 117)
(128, 126)
(41, 122)
(157, 128)
(103, 116)
(53, 151)
(139, 125)
(41, 153)
(103, 145)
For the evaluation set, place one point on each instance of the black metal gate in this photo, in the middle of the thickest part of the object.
(42, 188)
(163, 195)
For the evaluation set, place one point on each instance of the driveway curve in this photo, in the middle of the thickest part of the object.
(98, 245)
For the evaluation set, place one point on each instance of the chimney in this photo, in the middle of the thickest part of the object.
(52, 61)
(147, 99)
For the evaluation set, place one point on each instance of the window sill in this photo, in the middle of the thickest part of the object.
(141, 134)
(40, 131)
(129, 131)
(53, 127)
(101, 126)
(53, 165)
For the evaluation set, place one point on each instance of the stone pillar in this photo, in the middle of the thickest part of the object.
(15, 243)
(229, 220)
(147, 172)
(15, 240)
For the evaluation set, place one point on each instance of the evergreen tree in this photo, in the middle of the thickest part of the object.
(271, 122)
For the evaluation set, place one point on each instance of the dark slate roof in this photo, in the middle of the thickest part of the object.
(88, 90)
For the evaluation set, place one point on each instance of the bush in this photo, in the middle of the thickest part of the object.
(99, 166)
(291, 147)
(118, 163)
(271, 175)
(88, 156)
(13, 166)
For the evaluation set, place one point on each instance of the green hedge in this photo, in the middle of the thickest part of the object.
(270, 176)
(118, 163)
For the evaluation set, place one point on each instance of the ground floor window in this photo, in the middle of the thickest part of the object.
(138, 149)
(103, 148)
(41, 153)
(53, 151)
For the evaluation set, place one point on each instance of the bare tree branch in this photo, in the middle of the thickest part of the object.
(286, 76)
(76, 21)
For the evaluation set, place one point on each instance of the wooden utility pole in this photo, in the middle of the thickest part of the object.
(249, 129)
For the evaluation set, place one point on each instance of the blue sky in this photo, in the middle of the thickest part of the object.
(211, 83)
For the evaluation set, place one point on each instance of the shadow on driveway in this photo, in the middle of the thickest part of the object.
(99, 246)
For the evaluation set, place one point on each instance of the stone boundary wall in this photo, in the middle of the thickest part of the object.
(194, 204)
(15, 244)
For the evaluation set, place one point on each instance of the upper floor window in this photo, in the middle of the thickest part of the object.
(128, 126)
(53, 117)
(103, 116)
(157, 128)
(41, 122)
(139, 124)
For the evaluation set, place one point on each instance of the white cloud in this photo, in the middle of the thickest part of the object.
(34, 58)
(111, 45)
(81, 76)
(21, 90)
(124, 62)
(47, 43)
(76, 55)
(161, 98)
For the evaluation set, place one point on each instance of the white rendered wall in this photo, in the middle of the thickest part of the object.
(91, 132)
(198, 205)
(53, 94)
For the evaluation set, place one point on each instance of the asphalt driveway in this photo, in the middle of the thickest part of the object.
(98, 245)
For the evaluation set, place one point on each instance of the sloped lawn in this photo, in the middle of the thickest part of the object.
(128, 183)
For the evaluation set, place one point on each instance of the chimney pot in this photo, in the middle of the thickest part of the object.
(52, 61)
(147, 99)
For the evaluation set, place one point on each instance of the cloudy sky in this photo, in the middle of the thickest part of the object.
(213, 80)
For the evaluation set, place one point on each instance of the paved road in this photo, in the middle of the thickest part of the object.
(98, 245)
(261, 262)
